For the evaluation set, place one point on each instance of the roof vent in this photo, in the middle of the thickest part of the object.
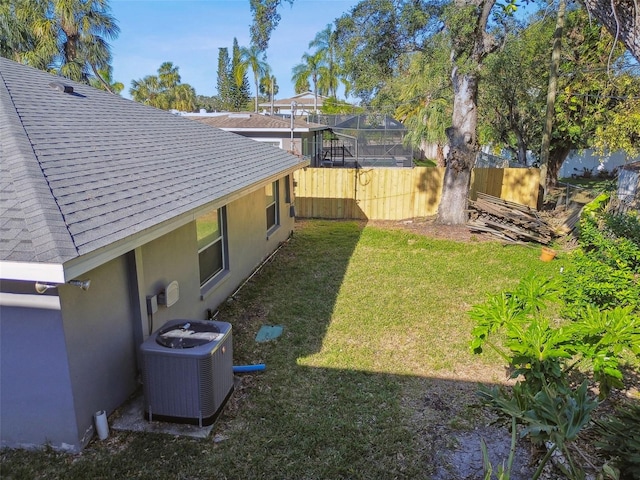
(240, 115)
(61, 87)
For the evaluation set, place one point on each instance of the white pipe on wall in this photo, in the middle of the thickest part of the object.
(102, 426)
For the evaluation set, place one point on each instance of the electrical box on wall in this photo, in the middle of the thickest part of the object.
(152, 304)
(170, 295)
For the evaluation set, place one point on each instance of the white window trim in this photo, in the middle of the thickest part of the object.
(207, 287)
(276, 202)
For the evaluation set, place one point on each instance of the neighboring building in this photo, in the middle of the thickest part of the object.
(100, 189)
(587, 162)
(301, 104)
(303, 139)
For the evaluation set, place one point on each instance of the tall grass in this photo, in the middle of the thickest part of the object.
(371, 372)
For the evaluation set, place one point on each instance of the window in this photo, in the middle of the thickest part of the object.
(272, 205)
(287, 189)
(212, 244)
(275, 143)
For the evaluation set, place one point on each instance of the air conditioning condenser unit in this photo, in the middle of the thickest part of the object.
(187, 371)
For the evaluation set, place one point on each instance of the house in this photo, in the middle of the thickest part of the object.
(589, 162)
(105, 203)
(300, 137)
(301, 104)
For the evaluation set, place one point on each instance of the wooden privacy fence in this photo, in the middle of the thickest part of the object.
(399, 193)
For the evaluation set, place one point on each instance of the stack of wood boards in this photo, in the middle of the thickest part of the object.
(566, 221)
(508, 220)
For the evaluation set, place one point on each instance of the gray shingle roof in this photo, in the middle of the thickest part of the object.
(84, 169)
(248, 121)
(306, 99)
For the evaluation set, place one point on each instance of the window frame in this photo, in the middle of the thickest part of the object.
(221, 239)
(287, 189)
(275, 204)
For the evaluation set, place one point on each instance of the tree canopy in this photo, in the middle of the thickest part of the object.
(67, 37)
(595, 91)
(326, 46)
(240, 90)
(106, 82)
(254, 59)
(621, 18)
(164, 90)
(378, 39)
(311, 68)
(224, 81)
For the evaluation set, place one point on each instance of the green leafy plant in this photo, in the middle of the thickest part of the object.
(541, 351)
(619, 437)
(503, 472)
(601, 337)
(554, 415)
(531, 346)
(605, 270)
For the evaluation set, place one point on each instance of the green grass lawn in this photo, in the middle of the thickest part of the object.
(370, 374)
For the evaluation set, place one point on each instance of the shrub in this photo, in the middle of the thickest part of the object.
(605, 270)
(601, 295)
(620, 438)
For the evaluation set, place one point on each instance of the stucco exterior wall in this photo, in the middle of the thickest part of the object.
(174, 257)
(307, 143)
(98, 330)
(69, 353)
(36, 403)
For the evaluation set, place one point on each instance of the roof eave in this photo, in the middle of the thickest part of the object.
(30, 271)
(84, 263)
(271, 130)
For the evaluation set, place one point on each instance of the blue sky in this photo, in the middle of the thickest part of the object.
(189, 33)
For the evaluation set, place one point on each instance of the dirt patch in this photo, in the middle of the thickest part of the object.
(428, 227)
(450, 425)
(464, 460)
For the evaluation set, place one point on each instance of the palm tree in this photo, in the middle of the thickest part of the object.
(147, 91)
(184, 97)
(105, 82)
(168, 75)
(426, 99)
(240, 90)
(164, 90)
(325, 45)
(16, 37)
(269, 87)
(302, 85)
(312, 67)
(65, 36)
(254, 58)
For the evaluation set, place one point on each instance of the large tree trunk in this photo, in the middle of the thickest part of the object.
(623, 22)
(557, 156)
(551, 101)
(462, 135)
(522, 148)
(463, 146)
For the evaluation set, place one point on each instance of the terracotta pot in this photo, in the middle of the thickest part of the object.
(547, 254)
